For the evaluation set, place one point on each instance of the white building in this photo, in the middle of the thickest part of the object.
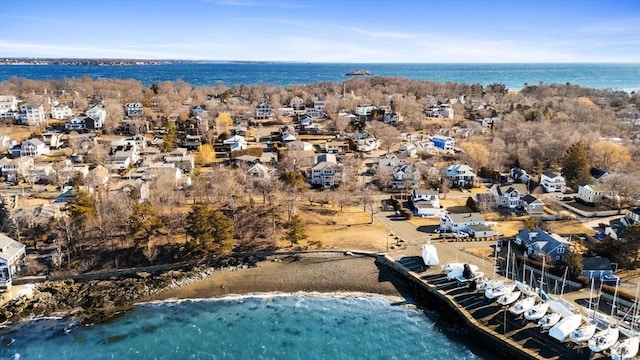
(8, 104)
(61, 112)
(11, 255)
(31, 115)
(441, 111)
(594, 193)
(364, 110)
(263, 111)
(98, 114)
(33, 147)
(425, 202)
(133, 109)
(552, 181)
(12, 169)
(460, 222)
(461, 176)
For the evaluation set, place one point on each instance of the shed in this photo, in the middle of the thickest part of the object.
(596, 267)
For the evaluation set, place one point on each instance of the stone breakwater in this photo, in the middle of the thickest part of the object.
(98, 300)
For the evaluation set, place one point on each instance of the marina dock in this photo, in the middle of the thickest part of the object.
(486, 321)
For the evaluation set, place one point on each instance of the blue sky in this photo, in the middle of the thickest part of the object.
(422, 31)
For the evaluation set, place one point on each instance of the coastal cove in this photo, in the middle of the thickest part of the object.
(624, 77)
(299, 298)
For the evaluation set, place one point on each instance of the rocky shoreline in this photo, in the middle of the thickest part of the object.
(97, 301)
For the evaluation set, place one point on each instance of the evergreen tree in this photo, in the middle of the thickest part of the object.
(210, 230)
(295, 230)
(575, 164)
(144, 222)
(82, 207)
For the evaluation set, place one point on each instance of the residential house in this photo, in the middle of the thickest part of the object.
(425, 202)
(32, 147)
(336, 146)
(197, 111)
(263, 111)
(480, 231)
(235, 143)
(444, 111)
(509, 195)
(97, 115)
(596, 267)
(8, 105)
(61, 112)
(288, 133)
(519, 175)
(259, 171)
(367, 145)
(540, 243)
(392, 117)
(77, 123)
(69, 172)
(184, 162)
(364, 111)
(98, 176)
(124, 154)
(425, 147)
(460, 222)
(287, 111)
(319, 104)
(598, 174)
(297, 103)
(405, 177)
(460, 176)
(409, 149)
(632, 216)
(391, 160)
(327, 174)
(532, 205)
(445, 143)
(592, 194)
(134, 109)
(552, 181)
(31, 115)
(12, 254)
(52, 139)
(13, 169)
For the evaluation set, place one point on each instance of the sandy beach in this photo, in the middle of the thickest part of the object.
(315, 272)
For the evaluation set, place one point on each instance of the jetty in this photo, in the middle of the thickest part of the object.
(486, 322)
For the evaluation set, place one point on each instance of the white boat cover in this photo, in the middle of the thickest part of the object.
(564, 328)
(430, 255)
(625, 349)
(455, 272)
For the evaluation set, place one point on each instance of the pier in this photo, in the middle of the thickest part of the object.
(487, 322)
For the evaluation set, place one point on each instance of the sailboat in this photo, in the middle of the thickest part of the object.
(510, 298)
(628, 348)
(586, 331)
(606, 338)
(625, 349)
(549, 320)
(498, 289)
(537, 311)
(525, 288)
(523, 305)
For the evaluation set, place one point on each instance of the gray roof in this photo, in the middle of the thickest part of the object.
(9, 247)
(596, 263)
(466, 217)
(529, 199)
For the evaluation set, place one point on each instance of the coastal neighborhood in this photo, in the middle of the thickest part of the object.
(98, 181)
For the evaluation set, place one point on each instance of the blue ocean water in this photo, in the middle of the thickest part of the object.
(248, 327)
(600, 76)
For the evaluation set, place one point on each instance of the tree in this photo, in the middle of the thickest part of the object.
(168, 141)
(575, 164)
(293, 178)
(386, 134)
(475, 155)
(210, 230)
(626, 187)
(609, 155)
(630, 245)
(81, 206)
(206, 154)
(295, 231)
(574, 261)
(144, 222)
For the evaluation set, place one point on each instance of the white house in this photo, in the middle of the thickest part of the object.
(33, 147)
(594, 193)
(98, 114)
(77, 123)
(319, 103)
(297, 103)
(441, 111)
(460, 222)
(235, 143)
(263, 111)
(509, 195)
(31, 115)
(259, 171)
(405, 177)
(6, 143)
(460, 175)
(8, 104)
(61, 112)
(11, 255)
(519, 175)
(133, 109)
(409, 149)
(52, 139)
(327, 174)
(367, 145)
(364, 110)
(552, 181)
(425, 202)
(532, 205)
(13, 168)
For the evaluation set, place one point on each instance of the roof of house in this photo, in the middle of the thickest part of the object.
(459, 170)
(530, 199)
(598, 173)
(421, 192)
(508, 189)
(466, 217)
(423, 204)
(551, 174)
(326, 165)
(541, 240)
(9, 247)
(478, 228)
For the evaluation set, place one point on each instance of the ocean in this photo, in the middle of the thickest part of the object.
(268, 326)
(625, 77)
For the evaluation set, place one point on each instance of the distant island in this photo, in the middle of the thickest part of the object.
(72, 61)
(359, 72)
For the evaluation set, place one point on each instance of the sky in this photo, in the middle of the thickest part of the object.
(351, 31)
